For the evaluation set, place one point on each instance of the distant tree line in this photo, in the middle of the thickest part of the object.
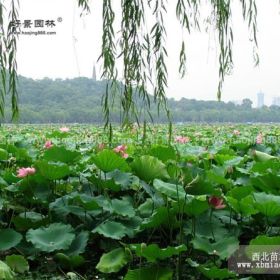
(79, 101)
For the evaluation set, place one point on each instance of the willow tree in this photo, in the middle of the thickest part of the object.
(142, 48)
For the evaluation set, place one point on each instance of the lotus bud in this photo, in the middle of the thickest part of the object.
(72, 275)
(211, 156)
(128, 252)
(143, 246)
(230, 170)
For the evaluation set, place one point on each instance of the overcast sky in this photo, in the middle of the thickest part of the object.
(76, 46)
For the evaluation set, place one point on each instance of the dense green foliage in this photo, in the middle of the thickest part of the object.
(79, 101)
(136, 208)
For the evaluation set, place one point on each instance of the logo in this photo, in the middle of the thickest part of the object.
(37, 26)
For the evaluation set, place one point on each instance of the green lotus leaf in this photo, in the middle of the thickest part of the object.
(29, 220)
(146, 209)
(27, 249)
(60, 154)
(56, 236)
(192, 207)
(113, 261)
(150, 273)
(268, 182)
(263, 157)
(111, 229)
(67, 204)
(215, 176)
(3, 183)
(17, 263)
(78, 245)
(227, 160)
(204, 227)
(108, 184)
(267, 204)
(245, 206)
(9, 239)
(132, 225)
(160, 216)
(173, 191)
(108, 161)
(122, 179)
(32, 216)
(22, 155)
(240, 192)
(265, 240)
(263, 243)
(122, 207)
(53, 170)
(5, 272)
(264, 167)
(1, 202)
(153, 253)
(163, 153)
(174, 170)
(212, 272)
(149, 168)
(118, 229)
(156, 197)
(3, 154)
(86, 201)
(223, 248)
(216, 273)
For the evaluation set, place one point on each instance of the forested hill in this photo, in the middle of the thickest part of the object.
(79, 100)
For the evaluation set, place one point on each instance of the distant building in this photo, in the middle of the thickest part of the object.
(276, 101)
(260, 99)
(94, 73)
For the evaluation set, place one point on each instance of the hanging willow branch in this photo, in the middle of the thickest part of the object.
(108, 57)
(132, 19)
(158, 34)
(222, 15)
(84, 4)
(141, 48)
(187, 13)
(250, 13)
(144, 52)
(8, 64)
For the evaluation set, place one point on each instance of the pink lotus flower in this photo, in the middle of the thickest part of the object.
(124, 155)
(23, 172)
(48, 144)
(121, 150)
(259, 139)
(216, 202)
(182, 139)
(64, 129)
(236, 132)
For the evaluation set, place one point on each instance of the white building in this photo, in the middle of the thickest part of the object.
(94, 73)
(260, 99)
(276, 101)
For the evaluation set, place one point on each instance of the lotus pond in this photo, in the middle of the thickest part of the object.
(138, 204)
